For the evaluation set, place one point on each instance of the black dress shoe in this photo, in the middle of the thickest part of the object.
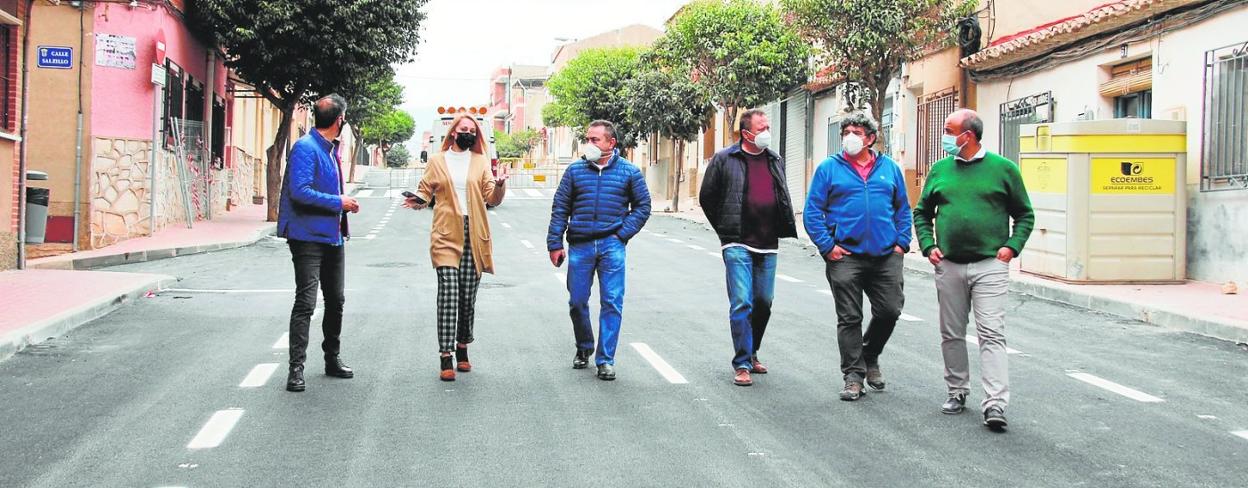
(994, 419)
(294, 381)
(956, 404)
(581, 361)
(606, 372)
(335, 368)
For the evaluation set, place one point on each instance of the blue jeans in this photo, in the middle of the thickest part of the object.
(606, 256)
(751, 287)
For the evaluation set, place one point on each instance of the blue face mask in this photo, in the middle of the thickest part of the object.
(949, 143)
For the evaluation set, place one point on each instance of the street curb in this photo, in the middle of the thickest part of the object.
(94, 262)
(1157, 316)
(68, 320)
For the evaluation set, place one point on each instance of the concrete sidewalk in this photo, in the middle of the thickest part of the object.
(41, 304)
(1194, 306)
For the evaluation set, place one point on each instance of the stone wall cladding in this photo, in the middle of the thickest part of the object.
(120, 190)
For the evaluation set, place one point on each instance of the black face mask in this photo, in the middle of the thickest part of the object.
(465, 140)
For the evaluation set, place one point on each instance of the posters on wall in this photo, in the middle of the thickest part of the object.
(115, 51)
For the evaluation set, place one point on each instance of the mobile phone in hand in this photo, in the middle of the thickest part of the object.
(561, 258)
(408, 194)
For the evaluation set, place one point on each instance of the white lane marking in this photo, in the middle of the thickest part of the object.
(526, 243)
(714, 254)
(696, 247)
(909, 318)
(259, 375)
(506, 225)
(670, 374)
(492, 212)
(198, 290)
(1206, 417)
(283, 342)
(216, 429)
(383, 223)
(788, 278)
(975, 340)
(532, 192)
(646, 231)
(1241, 433)
(561, 277)
(370, 236)
(675, 241)
(1131, 393)
(826, 292)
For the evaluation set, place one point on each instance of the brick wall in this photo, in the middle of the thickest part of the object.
(14, 71)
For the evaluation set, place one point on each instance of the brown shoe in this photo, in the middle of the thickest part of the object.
(461, 359)
(757, 367)
(448, 373)
(742, 378)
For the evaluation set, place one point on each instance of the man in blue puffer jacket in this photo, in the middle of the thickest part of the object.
(858, 216)
(602, 202)
(312, 216)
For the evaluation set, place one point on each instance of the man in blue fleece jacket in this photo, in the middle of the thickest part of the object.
(858, 216)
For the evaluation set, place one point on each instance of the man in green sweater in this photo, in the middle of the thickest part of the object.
(963, 223)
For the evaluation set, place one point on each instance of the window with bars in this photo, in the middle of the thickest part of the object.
(7, 79)
(173, 99)
(1035, 109)
(1224, 162)
(932, 111)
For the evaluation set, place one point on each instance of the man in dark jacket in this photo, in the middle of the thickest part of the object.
(859, 218)
(746, 199)
(312, 216)
(602, 202)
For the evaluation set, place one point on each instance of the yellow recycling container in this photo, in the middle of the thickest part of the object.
(1110, 200)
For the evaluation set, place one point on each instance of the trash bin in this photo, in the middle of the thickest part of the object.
(36, 208)
(1110, 200)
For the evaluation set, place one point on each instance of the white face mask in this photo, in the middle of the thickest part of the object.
(852, 143)
(763, 139)
(592, 153)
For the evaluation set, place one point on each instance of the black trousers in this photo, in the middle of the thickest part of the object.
(881, 279)
(322, 264)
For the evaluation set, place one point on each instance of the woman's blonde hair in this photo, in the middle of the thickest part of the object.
(478, 147)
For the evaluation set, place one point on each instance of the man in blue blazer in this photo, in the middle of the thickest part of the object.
(312, 216)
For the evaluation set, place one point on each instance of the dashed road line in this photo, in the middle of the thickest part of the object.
(696, 247)
(909, 318)
(788, 278)
(1243, 434)
(665, 369)
(975, 340)
(216, 429)
(715, 255)
(259, 375)
(526, 243)
(1103, 383)
(561, 277)
(675, 241)
(533, 193)
(283, 342)
(506, 225)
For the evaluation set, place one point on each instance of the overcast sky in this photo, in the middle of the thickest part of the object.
(464, 41)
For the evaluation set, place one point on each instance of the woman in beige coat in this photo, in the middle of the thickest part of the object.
(459, 182)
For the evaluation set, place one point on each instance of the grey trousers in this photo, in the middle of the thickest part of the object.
(980, 287)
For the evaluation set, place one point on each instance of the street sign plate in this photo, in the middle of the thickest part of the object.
(56, 57)
(158, 74)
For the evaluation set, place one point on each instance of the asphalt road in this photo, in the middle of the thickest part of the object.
(122, 401)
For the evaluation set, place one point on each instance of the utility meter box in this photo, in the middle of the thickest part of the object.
(1110, 200)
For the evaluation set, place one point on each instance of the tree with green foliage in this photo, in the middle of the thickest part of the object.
(739, 51)
(293, 51)
(591, 87)
(370, 99)
(517, 145)
(671, 105)
(868, 41)
(393, 127)
(398, 157)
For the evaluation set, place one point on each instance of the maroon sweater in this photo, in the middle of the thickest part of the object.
(759, 212)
